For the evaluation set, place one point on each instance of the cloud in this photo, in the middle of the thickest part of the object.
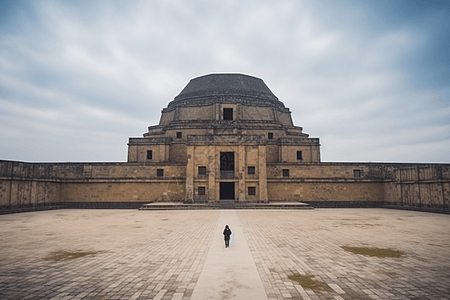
(370, 79)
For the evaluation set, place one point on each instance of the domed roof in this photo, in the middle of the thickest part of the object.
(226, 88)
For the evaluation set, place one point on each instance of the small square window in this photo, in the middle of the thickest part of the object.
(270, 136)
(149, 154)
(179, 135)
(285, 172)
(201, 191)
(357, 173)
(202, 170)
(251, 191)
(251, 170)
(228, 114)
(299, 155)
(160, 172)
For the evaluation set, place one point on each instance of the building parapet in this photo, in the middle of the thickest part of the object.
(192, 100)
(150, 141)
(230, 139)
(299, 141)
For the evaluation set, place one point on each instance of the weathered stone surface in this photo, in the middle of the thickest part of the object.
(182, 159)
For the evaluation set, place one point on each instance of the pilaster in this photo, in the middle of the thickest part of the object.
(190, 174)
(212, 173)
(241, 173)
(262, 174)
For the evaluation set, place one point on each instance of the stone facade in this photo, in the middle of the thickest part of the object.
(226, 128)
(224, 137)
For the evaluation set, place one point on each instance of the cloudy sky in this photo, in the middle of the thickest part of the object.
(369, 78)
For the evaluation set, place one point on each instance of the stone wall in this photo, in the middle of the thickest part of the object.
(42, 184)
(401, 185)
(421, 186)
(27, 184)
(123, 191)
(343, 182)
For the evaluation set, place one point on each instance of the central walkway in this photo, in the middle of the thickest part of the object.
(229, 273)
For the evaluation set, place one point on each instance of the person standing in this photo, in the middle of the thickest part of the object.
(226, 234)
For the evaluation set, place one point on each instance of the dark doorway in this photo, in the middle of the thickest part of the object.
(227, 191)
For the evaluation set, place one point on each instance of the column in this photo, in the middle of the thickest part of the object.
(241, 172)
(262, 174)
(212, 173)
(190, 174)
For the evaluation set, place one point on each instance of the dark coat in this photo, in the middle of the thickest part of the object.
(226, 233)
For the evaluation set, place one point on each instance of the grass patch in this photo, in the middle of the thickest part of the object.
(377, 252)
(307, 281)
(68, 255)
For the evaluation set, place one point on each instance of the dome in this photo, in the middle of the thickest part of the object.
(226, 88)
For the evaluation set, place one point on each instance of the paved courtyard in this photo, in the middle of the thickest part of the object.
(180, 254)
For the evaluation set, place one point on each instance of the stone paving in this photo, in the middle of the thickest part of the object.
(310, 242)
(161, 254)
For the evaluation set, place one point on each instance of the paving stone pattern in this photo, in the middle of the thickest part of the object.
(161, 254)
(310, 243)
(144, 255)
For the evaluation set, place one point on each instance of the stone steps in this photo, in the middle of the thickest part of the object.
(274, 205)
(224, 204)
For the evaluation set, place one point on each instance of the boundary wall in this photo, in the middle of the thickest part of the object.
(129, 185)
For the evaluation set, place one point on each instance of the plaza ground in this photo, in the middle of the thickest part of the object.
(181, 254)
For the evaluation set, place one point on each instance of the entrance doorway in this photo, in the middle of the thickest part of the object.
(227, 191)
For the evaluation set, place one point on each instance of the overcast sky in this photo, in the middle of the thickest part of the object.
(369, 78)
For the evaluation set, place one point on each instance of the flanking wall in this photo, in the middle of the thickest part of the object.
(419, 186)
(425, 186)
(27, 184)
(88, 184)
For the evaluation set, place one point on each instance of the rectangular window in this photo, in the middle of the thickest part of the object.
(357, 173)
(202, 171)
(149, 154)
(299, 155)
(201, 191)
(270, 136)
(251, 191)
(179, 135)
(228, 114)
(285, 172)
(251, 170)
(160, 172)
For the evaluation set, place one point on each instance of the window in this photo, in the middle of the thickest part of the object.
(149, 154)
(251, 170)
(270, 136)
(228, 114)
(357, 173)
(285, 172)
(202, 171)
(251, 191)
(179, 135)
(227, 165)
(299, 155)
(160, 172)
(201, 191)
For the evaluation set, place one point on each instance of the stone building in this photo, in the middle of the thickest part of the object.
(224, 137)
(226, 128)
